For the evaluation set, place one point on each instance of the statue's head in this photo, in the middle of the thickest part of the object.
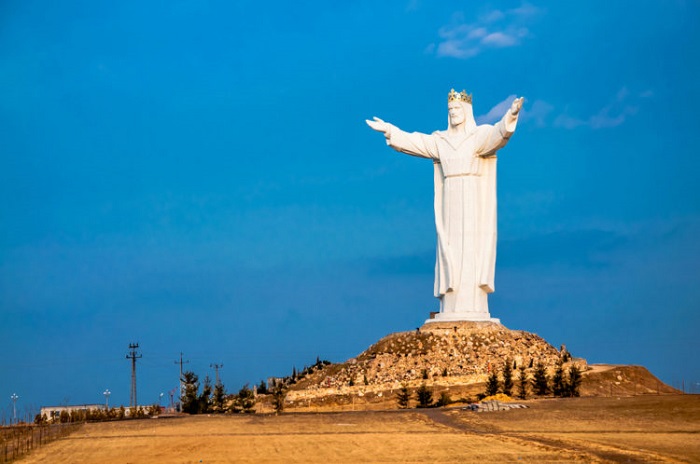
(459, 110)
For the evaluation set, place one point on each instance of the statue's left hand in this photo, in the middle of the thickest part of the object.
(378, 125)
(516, 106)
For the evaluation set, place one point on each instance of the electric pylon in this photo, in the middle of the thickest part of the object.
(133, 355)
(216, 369)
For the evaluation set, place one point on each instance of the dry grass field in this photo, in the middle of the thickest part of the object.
(637, 429)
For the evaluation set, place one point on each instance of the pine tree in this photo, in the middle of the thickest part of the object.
(425, 396)
(492, 384)
(245, 400)
(278, 395)
(558, 387)
(540, 381)
(190, 399)
(403, 397)
(205, 397)
(507, 378)
(262, 388)
(574, 381)
(218, 397)
(522, 383)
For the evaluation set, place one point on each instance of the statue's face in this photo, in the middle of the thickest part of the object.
(456, 113)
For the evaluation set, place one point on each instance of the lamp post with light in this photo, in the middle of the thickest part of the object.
(106, 393)
(14, 399)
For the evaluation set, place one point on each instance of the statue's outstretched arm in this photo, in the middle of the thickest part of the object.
(497, 136)
(415, 144)
(380, 126)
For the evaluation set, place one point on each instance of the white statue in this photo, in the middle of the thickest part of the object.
(464, 160)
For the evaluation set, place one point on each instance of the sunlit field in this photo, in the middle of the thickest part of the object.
(638, 429)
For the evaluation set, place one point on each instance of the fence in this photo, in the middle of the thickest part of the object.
(18, 440)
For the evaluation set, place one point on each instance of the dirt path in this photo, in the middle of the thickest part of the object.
(586, 450)
(444, 417)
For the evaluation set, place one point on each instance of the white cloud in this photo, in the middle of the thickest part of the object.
(604, 120)
(525, 10)
(492, 16)
(622, 93)
(567, 122)
(493, 29)
(499, 39)
(455, 49)
(538, 112)
(497, 112)
(477, 33)
(611, 115)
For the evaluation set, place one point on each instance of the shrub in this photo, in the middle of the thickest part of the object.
(403, 397)
(444, 400)
(278, 395)
(425, 396)
(492, 384)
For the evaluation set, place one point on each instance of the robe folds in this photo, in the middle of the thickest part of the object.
(465, 208)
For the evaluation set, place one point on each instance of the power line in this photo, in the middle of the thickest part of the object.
(133, 355)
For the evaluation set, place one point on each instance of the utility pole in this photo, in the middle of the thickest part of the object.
(133, 355)
(182, 387)
(216, 368)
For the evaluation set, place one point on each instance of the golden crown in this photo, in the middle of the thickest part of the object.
(462, 96)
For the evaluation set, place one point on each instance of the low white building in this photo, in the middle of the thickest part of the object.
(54, 412)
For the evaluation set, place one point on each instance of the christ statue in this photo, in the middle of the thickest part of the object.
(464, 162)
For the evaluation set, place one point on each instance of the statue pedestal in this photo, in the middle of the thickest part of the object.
(459, 317)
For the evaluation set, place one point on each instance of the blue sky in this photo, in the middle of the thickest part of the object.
(198, 177)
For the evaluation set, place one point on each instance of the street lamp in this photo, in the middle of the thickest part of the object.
(106, 393)
(14, 399)
(160, 399)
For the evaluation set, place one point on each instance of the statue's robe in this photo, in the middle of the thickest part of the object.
(465, 210)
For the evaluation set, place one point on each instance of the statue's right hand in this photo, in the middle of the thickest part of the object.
(378, 125)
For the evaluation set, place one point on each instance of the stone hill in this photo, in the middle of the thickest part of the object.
(456, 358)
(443, 354)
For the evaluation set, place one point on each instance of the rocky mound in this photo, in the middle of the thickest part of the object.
(443, 354)
(616, 380)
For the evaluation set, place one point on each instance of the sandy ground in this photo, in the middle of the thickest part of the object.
(638, 429)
